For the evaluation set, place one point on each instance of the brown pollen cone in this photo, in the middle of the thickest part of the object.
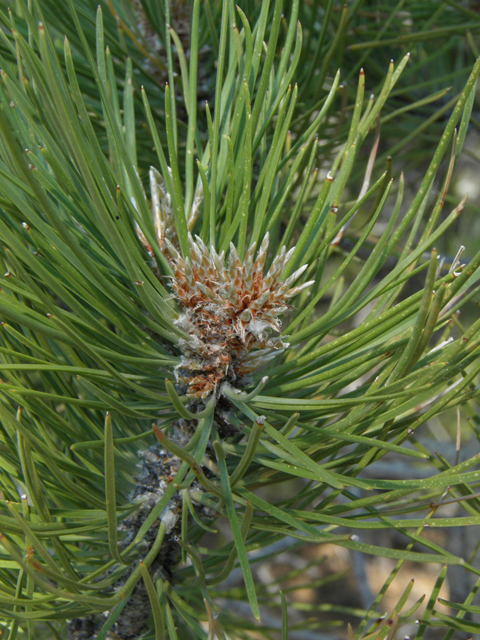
(229, 306)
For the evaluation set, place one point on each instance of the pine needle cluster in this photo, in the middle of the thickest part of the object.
(221, 309)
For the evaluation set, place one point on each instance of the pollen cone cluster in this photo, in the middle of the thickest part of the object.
(229, 306)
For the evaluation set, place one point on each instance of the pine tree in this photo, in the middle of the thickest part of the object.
(213, 286)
